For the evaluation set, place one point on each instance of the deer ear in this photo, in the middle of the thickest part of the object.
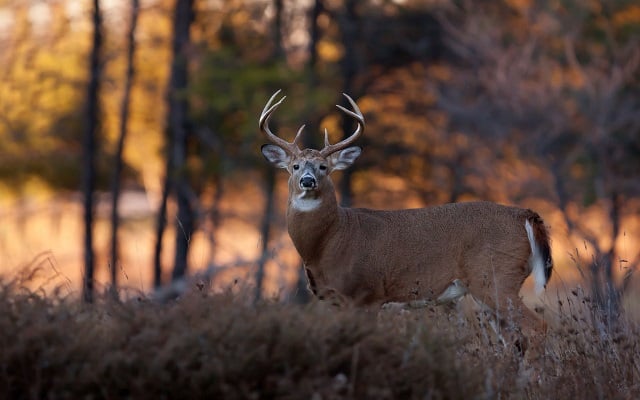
(344, 158)
(276, 155)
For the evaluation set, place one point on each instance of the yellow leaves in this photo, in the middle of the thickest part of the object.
(330, 52)
(35, 189)
(241, 17)
(332, 124)
(366, 104)
(394, 101)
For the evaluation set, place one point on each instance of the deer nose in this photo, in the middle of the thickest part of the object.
(308, 182)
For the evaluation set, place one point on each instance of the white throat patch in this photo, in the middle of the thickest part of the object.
(305, 204)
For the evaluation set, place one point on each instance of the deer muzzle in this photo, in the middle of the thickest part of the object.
(308, 182)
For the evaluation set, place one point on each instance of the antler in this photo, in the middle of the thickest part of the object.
(357, 114)
(268, 110)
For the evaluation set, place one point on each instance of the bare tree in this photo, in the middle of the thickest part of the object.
(589, 120)
(124, 118)
(610, 106)
(89, 146)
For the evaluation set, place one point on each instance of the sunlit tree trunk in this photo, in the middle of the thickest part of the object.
(124, 118)
(89, 151)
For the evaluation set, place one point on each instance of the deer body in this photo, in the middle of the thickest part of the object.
(373, 257)
(407, 255)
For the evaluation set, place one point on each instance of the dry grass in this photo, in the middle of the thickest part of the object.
(207, 345)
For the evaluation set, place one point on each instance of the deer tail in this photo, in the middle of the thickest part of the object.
(540, 261)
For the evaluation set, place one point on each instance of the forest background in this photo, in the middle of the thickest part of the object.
(129, 148)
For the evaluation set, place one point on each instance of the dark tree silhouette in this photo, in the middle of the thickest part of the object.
(349, 26)
(270, 178)
(89, 151)
(181, 131)
(124, 118)
(178, 133)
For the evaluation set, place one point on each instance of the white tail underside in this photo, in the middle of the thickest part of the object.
(535, 261)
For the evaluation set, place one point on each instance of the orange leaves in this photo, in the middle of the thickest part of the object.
(628, 16)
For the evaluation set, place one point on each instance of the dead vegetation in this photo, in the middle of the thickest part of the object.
(206, 345)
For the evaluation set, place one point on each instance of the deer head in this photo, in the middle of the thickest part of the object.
(309, 169)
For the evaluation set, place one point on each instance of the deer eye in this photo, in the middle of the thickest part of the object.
(296, 167)
(323, 167)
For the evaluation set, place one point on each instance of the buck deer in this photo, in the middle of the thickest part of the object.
(416, 256)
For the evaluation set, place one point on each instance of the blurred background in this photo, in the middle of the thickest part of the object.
(129, 148)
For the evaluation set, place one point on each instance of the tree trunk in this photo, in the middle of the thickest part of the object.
(278, 51)
(314, 34)
(89, 145)
(178, 133)
(124, 117)
(613, 291)
(312, 138)
(265, 231)
(180, 130)
(161, 224)
(185, 226)
(349, 70)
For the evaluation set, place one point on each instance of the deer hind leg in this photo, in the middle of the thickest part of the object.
(488, 318)
(498, 303)
(510, 319)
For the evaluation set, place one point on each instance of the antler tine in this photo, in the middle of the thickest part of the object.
(298, 135)
(357, 115)
(267, 111)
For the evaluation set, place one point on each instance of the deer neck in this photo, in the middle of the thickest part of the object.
(311, 218)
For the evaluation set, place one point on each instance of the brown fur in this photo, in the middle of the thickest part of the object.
(381, 256)
(372, 257)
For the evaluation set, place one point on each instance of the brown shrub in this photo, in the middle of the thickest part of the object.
(217, 346)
